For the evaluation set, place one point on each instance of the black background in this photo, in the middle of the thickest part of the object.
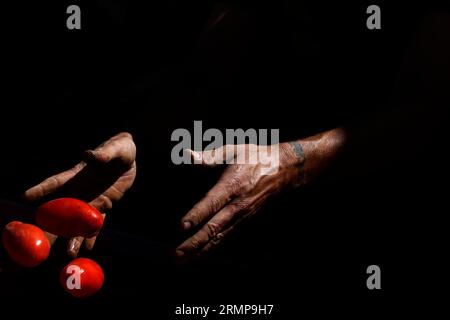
(150, 68)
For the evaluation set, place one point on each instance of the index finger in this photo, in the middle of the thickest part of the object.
(215, 199)
(52, 184)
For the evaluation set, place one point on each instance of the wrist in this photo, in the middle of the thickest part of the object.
(311, 156)
(293, 159)
(322, 150)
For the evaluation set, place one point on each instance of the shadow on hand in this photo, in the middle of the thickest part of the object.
(91, 182)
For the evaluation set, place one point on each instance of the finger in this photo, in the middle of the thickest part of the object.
(194, 155)
(211, 245)
(90, 242)
(214, 200)
(74, 245)
(212, 230)
(214, 157)
(119, 147)
(51, 237)
(52, 184)
(102, 203)
(214, 243)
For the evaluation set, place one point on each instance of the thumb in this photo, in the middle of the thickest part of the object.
(120, 147)
(214, 157)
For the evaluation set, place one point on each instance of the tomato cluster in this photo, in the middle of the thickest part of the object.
(28, 246)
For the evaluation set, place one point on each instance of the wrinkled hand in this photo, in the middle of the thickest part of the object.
(101, 179)
(241, 191)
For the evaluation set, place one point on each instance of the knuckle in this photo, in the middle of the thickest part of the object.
(212, 229)
(214, 204)
(235, 184)
(48, 184)
(125, 135)
(239, 205)
(104, 203)
(115, 193)
(218, 238)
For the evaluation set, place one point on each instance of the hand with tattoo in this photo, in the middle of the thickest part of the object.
(101, 179)
(245, 186)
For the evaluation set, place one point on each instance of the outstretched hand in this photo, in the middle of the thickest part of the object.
(101, 179)
(240, 192)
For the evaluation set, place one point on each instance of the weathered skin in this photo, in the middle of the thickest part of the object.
(110, 167)
(244, 188)
(421, 95)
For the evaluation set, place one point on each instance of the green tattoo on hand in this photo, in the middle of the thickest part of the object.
(300, 154)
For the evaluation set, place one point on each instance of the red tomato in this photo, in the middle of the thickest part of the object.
(82, 277)
(69, 217)
(26, 244)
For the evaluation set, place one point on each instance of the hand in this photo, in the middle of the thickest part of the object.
(240, 192)
(101, 179)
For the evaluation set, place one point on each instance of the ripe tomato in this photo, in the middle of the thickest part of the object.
(25, 243)
(82, 277)
(69, 217)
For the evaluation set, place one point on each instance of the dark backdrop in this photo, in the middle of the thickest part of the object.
(150, 68)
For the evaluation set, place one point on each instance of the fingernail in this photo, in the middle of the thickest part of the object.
(186, 225)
